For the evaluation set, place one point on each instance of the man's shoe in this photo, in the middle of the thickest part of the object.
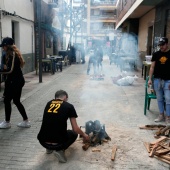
(61, 156)
(48, 151)
(167, 120)
(24, 124)
(160, 118)
(5, 125)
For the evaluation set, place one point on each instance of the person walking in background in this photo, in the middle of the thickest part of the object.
(73, 54)
(99, 56)
(78, 55)
(160, 68)
(13, 83)
(83, 55)
(53, 134)
(92, 61)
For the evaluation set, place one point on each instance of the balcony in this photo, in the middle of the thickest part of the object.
(103, 17)
(104, 3)
(103, 31)
(53, 3)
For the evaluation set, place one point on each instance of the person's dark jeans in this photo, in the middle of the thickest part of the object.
(15, 94)
(72, 136)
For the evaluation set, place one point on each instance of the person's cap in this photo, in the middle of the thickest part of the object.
(163, 41)
(7, 41)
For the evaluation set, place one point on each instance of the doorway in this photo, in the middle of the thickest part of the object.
(150, 40)
(15, 32)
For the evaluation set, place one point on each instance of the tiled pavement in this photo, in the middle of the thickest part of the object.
(120, 108)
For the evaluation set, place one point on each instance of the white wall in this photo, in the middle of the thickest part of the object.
(24, 29)
(22, 8)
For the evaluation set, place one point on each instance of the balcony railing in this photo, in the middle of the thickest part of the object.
(53, 3)
(105, 3)
(103, 17)
(101, 31)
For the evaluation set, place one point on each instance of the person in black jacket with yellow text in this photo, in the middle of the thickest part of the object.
(53, 134)
(160, 68)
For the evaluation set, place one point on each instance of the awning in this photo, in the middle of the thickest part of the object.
(138, 9)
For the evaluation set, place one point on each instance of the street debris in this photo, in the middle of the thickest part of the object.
(86, 146)
(160, 148)
(123, 79)
(97, 77)
(152, 127)
(113, 152)
(96, 150)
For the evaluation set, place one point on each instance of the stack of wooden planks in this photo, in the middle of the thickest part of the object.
(162, 130)
(159, 149)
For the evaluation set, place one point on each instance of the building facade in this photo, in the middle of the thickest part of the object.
(148, 20)
(87, 21)
(101, 19)
(18, 23)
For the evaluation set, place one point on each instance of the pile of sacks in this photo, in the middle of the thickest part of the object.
(124, 80)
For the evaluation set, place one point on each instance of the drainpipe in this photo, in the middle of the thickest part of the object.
(39, 39)
(32, 46)
(1, 27)
(71, 22)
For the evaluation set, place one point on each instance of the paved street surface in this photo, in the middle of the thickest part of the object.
(120, 108)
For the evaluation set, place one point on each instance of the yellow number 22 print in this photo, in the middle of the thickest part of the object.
(53, 108)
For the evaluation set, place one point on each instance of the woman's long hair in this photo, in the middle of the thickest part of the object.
(13, 48)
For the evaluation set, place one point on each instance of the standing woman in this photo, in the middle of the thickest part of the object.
(14, 83)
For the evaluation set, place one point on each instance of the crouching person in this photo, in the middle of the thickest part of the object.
(53, 134)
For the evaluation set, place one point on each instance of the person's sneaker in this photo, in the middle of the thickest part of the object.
(24, 124)
(5, 125)
(160, 118)
(167, 120)
(48, 151)
(61, 156)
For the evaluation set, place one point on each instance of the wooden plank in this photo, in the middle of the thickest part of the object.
(96, 149)
(165, 157)
(159, 140)
(162, 151)
(148, 128)
(86, 146)
(147, 146)
(162, 159)
(153, 150)
(113, 152)
(166, 147)
(152, 127)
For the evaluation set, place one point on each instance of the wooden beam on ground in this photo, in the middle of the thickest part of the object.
(113, 152)
(96, 149)
(159, 140)
(153, 150)
(147, 146)
(162, 159)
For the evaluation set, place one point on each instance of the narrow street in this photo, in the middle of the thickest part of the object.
(120, 108)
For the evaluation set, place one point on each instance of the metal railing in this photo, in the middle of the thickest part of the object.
(106, 2)
(53, 1)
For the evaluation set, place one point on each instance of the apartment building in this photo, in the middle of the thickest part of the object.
(101, 19)
(18, 23)
(87, 20)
